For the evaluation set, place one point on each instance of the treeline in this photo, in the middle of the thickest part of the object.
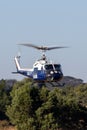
(31, 108)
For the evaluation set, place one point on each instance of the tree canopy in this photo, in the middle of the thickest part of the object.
(32, 108)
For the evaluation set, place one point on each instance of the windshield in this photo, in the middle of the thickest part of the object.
(57, 67)
(49, 67)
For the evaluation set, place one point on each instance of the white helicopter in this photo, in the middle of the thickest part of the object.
(43, 70)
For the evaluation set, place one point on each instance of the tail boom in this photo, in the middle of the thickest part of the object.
(23, 71)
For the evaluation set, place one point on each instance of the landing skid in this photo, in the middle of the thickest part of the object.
(47, 84)
(54, 84)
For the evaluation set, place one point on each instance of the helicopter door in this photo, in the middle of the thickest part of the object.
(39, 74)
(49, 69)
(35, 73)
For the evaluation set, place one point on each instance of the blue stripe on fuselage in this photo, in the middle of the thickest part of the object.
(36, 74)
(39, 75)
(26, 73)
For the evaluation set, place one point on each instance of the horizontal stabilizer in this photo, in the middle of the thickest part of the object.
(14, 72)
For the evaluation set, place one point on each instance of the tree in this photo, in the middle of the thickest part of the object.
(25, 100)
(46, 114)
(4, 100)
(40, 109)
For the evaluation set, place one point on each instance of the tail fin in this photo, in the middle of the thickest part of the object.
(23, 71)
(17, 63)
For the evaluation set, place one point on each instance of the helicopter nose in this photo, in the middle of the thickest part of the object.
(57, 75)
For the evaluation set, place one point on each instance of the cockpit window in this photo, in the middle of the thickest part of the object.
(57, 67)
(49, 67)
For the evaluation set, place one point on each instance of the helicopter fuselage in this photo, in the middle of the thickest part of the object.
(42, 70)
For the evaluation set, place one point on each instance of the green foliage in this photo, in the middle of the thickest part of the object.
(81, 94)
(24, 103)
(40, 109)
(47, 112)
(4, 99)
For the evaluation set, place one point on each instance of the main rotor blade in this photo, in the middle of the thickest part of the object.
(30, 45)
(56, 47)
(43, 48)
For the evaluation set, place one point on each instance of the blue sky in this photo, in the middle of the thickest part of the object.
(46, 22)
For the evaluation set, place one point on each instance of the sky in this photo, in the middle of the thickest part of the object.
(44, 22)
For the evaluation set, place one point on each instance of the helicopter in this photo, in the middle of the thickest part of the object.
(43, 70)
